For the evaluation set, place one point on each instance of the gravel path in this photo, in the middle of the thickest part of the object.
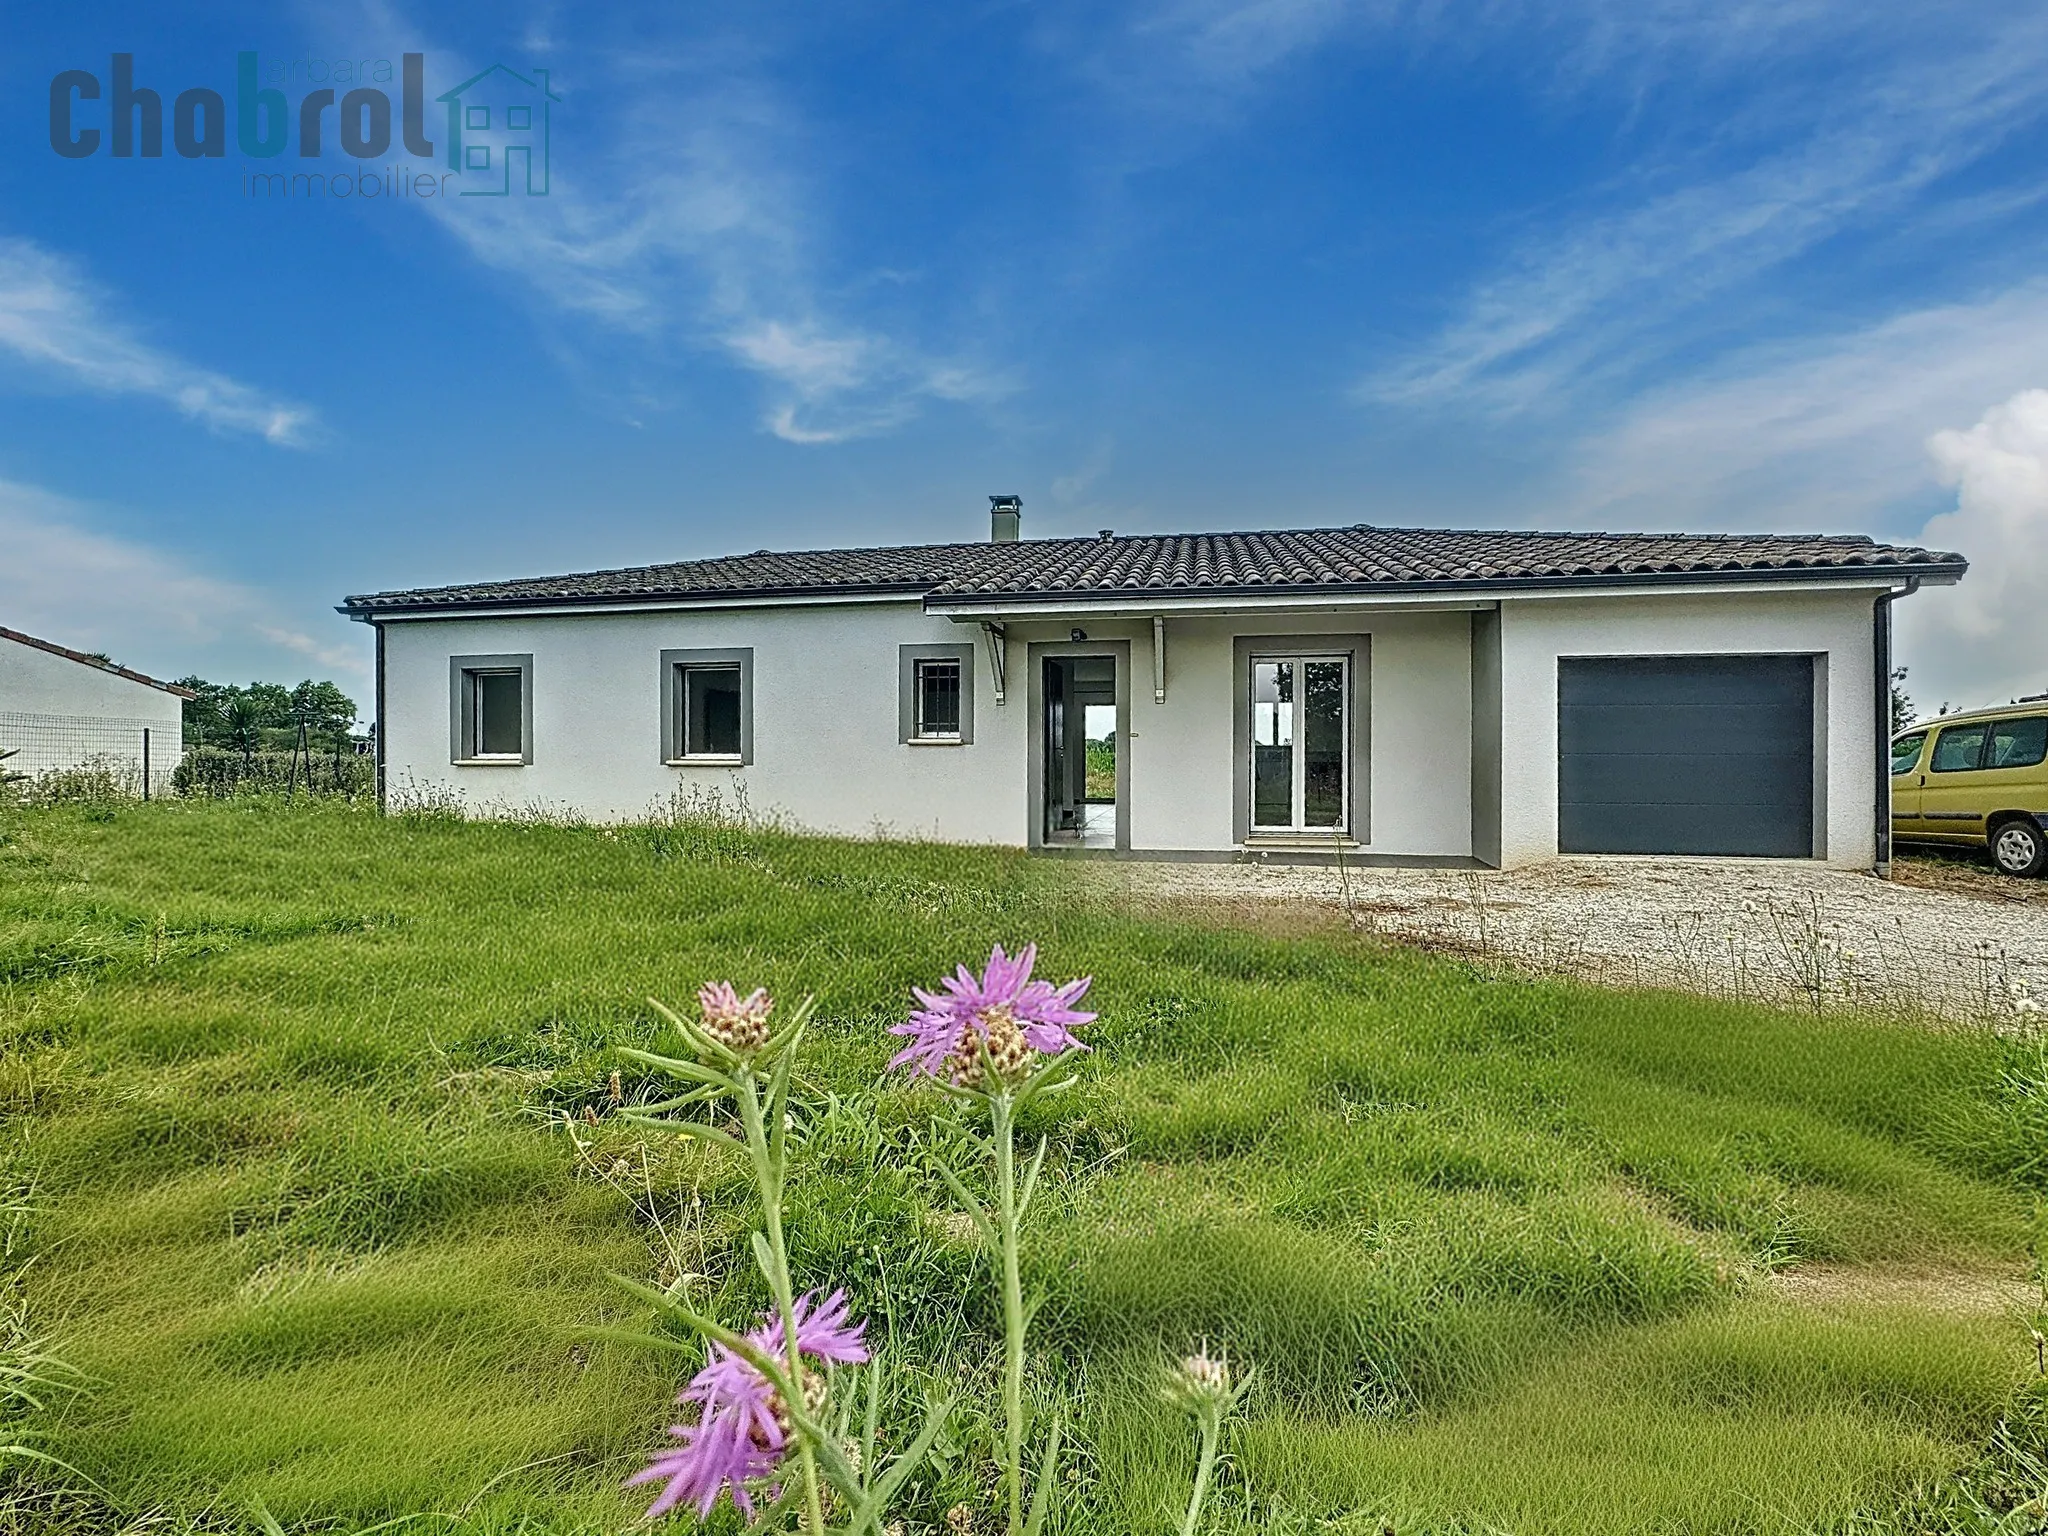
(1958, 945)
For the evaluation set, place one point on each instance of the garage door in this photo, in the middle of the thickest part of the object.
(1685, 754)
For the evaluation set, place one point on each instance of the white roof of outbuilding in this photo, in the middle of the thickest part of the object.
(93, 661)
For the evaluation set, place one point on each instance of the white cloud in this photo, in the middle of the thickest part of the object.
(53, 317)
(1986, 640)
(66, 582)
(713, 243)
(1607, 286)
(1823, 433)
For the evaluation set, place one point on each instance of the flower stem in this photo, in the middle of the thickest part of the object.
(768, 1179)
(1013, 1311)
(1212, 1425)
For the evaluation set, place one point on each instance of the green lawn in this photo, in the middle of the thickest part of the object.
(310, 1114)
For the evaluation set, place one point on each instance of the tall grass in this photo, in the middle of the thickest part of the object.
(321, 1109)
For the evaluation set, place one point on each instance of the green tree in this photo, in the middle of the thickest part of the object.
(322, 708)
(205, 711)
(272, 703)
(242, 722)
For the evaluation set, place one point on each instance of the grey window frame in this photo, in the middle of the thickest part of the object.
(673, 662)
(1357, 649)
(907, 658)
(462, 675)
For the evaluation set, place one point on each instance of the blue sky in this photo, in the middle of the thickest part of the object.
(812, 274)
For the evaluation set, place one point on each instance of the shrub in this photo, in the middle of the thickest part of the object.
(217, 773)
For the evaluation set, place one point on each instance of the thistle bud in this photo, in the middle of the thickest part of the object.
(740, 1024)
(1201, 1384)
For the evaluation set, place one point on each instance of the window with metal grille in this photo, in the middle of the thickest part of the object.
(938, 700)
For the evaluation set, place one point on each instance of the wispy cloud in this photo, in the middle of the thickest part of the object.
(712, 246)
(1602, 292)
(717, 241)
(67, 581)
(1824, 433)
(56, 319)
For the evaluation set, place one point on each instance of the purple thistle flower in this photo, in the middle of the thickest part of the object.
(1002, 1009)
(742, 1429)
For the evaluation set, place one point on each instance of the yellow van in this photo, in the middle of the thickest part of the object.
(1978, 779)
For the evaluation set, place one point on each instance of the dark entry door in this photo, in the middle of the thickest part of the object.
(1063, 784)
(1685, 755)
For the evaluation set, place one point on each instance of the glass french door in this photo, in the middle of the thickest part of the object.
(1301, 742)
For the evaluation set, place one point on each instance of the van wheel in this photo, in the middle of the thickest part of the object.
(2018, 848)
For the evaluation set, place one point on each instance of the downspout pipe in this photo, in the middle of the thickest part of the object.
(1881, 656)
(383, 802)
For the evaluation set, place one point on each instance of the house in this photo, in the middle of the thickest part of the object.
(65, 709)
(1383, 694)
(498, 132)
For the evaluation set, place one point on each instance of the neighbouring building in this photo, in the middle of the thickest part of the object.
(1382, 694)
(65, 709)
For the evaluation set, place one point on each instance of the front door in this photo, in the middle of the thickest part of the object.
(1064, 788)
(1081, 744)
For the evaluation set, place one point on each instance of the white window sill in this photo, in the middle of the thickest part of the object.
(1302, 837)
(935, 741)
(489, 762)
(706, 762)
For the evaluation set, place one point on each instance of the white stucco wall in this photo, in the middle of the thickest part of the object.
(63, 713)
(825, 731)
(1183, 752)
(1835, 625)
(826, 752)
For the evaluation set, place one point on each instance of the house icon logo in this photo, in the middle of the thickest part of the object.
(498, 132)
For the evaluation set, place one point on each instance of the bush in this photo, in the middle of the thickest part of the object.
(98, 781)
(217, 773)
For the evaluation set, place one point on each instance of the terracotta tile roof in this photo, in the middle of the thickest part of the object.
(1310, 560)
(94, 662)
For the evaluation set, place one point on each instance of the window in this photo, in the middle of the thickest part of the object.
(1300, 742)
(710, 711)
(935, 695)
(1958, 748)
(2017, 743)
(500, 726)
(707, 706)
(1906, 751)
(490, 715)
(938, 700)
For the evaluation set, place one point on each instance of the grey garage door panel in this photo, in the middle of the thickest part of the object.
(1683, 780)
(1765, 729)
(1686, 755)
(1783, 831)
(1739, 680)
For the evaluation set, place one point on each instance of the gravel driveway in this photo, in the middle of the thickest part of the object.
(1940, 939)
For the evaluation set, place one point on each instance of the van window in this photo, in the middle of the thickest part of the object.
(1906, 751)
(1959, 747)
(2017, 743)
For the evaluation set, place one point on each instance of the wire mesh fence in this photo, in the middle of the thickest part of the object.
(134, 757)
